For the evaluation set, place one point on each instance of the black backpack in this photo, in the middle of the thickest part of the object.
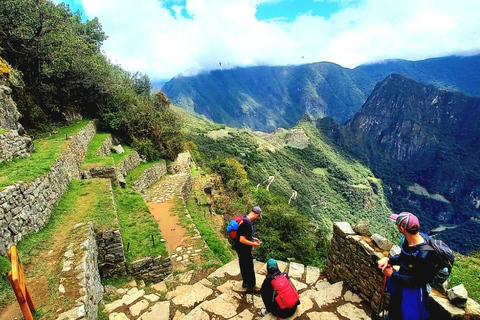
(443, 261)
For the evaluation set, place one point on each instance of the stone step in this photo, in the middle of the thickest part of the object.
(221, 296)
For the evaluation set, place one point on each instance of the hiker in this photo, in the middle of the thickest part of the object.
(289, 295)
(408, 288)
(243, 245)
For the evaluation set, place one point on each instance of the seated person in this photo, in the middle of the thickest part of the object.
(289, 293)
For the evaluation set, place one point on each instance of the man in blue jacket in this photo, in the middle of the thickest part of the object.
(408, 288)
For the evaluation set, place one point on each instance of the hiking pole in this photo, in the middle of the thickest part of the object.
(380, 315)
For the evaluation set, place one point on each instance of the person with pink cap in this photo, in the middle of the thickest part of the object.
(408, 287)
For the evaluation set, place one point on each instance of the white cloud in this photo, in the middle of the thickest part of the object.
(145, 36)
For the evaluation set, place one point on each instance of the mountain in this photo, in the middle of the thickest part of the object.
(423, 142)
(298, 165)
(265, 98)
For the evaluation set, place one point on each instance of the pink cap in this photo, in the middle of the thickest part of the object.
(406, 220)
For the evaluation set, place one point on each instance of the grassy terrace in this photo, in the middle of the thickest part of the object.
(93, 161)
(85, 200)
(137, 226)
(47, 151)
(136, 223)
(91, 158)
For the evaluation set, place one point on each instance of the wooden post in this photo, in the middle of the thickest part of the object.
(17, 279)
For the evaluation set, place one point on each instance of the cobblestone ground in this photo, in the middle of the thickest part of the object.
(220, 296)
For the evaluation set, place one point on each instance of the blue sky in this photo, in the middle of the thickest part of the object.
(166, 38)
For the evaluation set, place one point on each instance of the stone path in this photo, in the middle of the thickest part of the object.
(166, 189)
(220, 296)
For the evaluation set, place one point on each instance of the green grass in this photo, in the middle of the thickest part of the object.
(6, 292)
(134, 174)
(137, 226)
(118, 157)
(97, 141)
(94, 161)
(85, 200)
(47, 151)
(466, 270)
(218, 245)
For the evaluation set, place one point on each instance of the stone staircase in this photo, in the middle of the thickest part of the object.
(220, 296)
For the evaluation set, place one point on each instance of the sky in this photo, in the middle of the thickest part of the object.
(168, 38)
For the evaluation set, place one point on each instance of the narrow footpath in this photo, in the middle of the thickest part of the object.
(190, 294)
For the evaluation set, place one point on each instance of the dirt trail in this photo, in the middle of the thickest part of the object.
(168, 223)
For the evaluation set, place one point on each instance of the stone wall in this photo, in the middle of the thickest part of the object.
(129, 163)
(150, 176)
(111, 255)
(187, 187)
(353, 258)
(116, 174)
(13, 145)
(91, 281)
(9, 114)
(26, 207)
(152, 269)
(104, 150)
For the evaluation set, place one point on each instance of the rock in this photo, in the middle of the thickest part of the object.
(343, 228)
(350, 311)
(458, 295)
(382, 242)
(160, 311)
(395, 250)
(362, 228)
(117, 149)
(188, 296)
(160, 287)
(313, 273)
(117, 316)
(138, 307)
(322, 316)
(296, 270)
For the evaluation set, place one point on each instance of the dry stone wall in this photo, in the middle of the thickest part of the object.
(91, 277)
(13, 145)
(104, 150)
(115, 173)
(150, 176)
(26, 207)
(111, 255)
(353, 258)
(152, 269)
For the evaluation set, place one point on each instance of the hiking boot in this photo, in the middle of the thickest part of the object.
(255, 289)
(244, 285)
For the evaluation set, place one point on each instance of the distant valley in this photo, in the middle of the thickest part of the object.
(413, 128)
(265, 98)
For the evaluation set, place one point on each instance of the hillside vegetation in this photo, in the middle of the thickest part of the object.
(330, 186)
(58, 72)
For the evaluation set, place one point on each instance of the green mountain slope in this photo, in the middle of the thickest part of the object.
(329, 185)
(265, 98)
(423, 142)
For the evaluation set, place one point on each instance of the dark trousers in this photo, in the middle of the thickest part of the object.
(245, 260)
